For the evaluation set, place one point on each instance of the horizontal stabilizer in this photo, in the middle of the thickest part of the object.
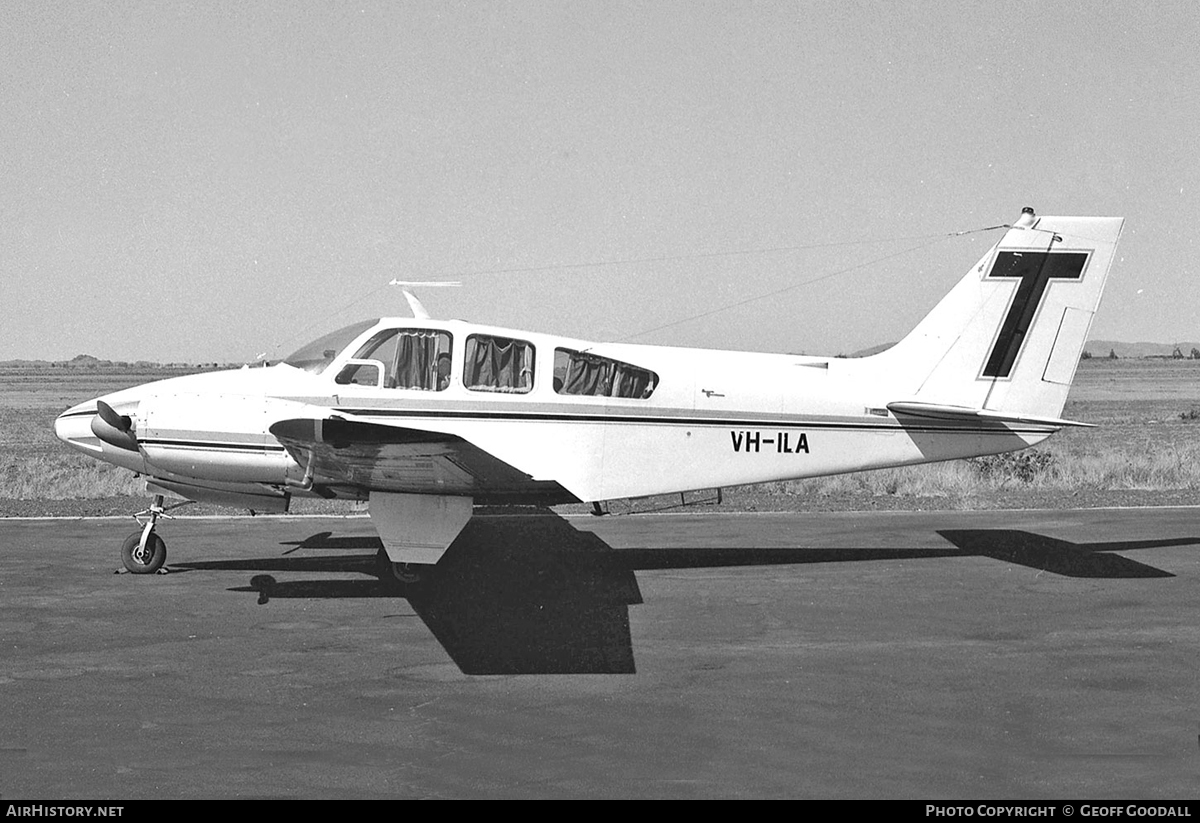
(965, 414)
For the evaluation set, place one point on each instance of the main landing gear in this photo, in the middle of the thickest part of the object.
(406, 574)
(144, 552)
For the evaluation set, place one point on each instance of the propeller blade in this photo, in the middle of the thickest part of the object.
(109, 415)
(114, 429)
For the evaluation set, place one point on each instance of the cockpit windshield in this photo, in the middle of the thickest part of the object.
(318, 354)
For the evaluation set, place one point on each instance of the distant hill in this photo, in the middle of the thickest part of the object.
(87, 361)
(1101, 348)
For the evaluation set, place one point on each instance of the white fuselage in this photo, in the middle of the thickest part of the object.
(714, 418)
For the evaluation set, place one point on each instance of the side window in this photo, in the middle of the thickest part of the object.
(359, 373)
(498, 364)
(411, 358)
(579, 373)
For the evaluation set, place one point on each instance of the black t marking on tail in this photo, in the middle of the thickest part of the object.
(1035, 270)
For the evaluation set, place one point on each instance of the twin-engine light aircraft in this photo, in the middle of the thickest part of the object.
(423, 418)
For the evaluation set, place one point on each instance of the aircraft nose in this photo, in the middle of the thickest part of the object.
(74, 427)
(102, 428)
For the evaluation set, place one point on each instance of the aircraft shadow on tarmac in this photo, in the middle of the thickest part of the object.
(534, 595)
(1060, 556)
(1008, 545)
(527, 595)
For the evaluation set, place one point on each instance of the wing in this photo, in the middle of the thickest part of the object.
(916, 408)
(336, 451)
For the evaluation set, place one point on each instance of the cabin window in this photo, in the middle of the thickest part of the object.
(498, 364)
(411, 358)
(360, 373)
(578, 373)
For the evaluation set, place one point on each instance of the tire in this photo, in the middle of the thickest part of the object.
(156, 550)
(408, 574)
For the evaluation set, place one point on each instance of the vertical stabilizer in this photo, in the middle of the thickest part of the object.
(1008, 336)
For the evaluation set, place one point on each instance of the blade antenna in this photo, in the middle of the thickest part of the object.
(419, 311)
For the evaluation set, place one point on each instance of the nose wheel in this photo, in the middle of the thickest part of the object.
(144, 552)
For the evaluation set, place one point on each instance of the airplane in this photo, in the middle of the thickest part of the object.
(424, 418)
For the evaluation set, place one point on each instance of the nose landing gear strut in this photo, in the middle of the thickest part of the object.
(144, 552)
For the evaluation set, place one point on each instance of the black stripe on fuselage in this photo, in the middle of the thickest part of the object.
(717, 422)
(262, 449)
(69, 415)
(645, 419)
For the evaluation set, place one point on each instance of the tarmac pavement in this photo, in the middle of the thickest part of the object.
(948, 655)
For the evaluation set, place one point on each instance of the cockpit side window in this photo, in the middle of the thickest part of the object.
(411, 358)
(498, 364)
(578, 373)
(318, 354)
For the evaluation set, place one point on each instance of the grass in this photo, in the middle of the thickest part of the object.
(1164, 467)
(64, 477)
(1146, 442)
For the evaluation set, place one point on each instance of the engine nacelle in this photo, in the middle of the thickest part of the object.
(221, 437)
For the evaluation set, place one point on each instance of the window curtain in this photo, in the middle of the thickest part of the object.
(416, 359)
(586, 375)
(629, 381)
(599, 376)
(499, 364)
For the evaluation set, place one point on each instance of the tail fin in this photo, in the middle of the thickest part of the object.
(1004, 343)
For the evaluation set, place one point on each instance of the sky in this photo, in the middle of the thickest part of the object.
(219, 181)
